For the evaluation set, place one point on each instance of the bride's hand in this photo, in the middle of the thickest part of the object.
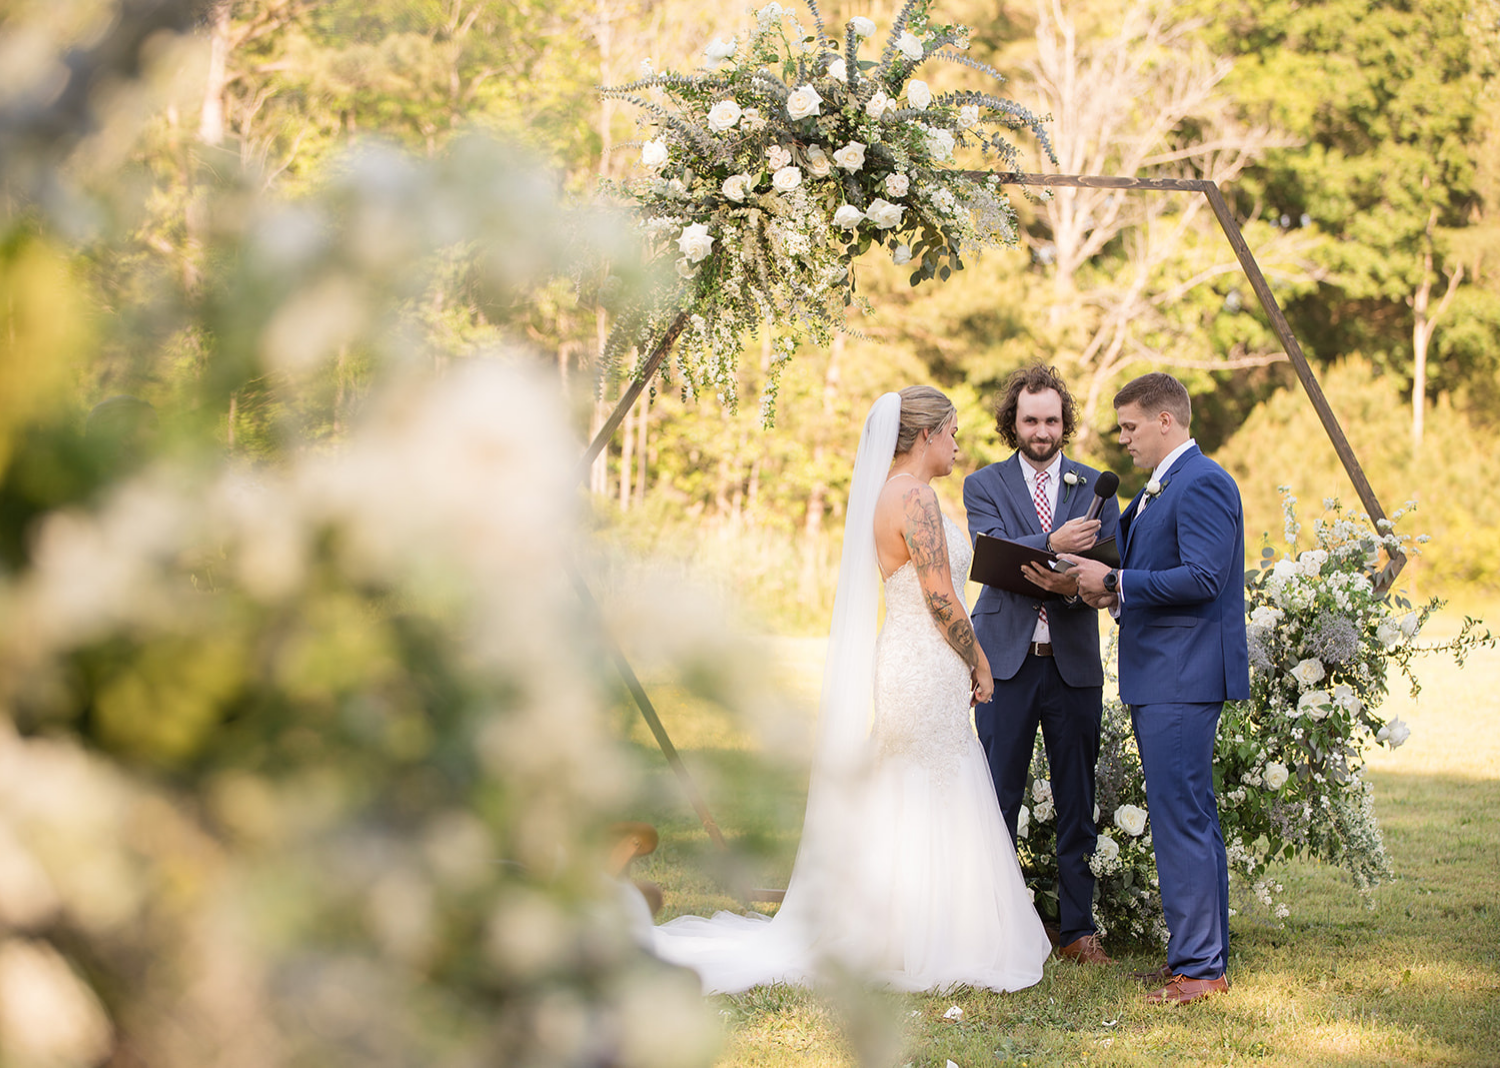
(984, 682)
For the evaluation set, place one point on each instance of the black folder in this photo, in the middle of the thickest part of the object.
(998, 562)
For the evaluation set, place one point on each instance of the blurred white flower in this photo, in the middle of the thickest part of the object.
(803, 101)
(1409, 624)
(851, 157)
(953, 1013)
(786, 179)
(848, 217)
(968, 116)
(884, 214)
(1153, 488)
(1041, 790)
(724, 115)
(695, 242)
(1308, 672)
(1023, 822)
(778, 156)
(654, 154)
(1106, 848)
(768, 14)
(736, 187)
(1393, 733)
(1312, 561)
(1044, 811)
(897, 185)
(1131, 819)
(909, 45)
(940, 142)
(752, 120)
(1389, 634)
(838, 70)
(863, 27)
(879, 104)
(718, 51)
(1314, 704)
(48, 1015)
(1345, 697)
(1266, 616)
(818, 163)
(1275, 775)
(901, 255)
(918, 95)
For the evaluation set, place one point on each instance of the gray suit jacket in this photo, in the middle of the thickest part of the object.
(999, 505)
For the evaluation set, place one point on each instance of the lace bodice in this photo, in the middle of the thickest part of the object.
(922, 687)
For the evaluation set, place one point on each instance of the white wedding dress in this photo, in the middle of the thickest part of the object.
(906, 873)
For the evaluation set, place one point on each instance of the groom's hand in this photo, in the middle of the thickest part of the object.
(1074, 536)
(1063, 584)
(1090, 574)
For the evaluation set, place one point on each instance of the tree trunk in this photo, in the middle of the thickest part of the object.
(640, 448)
(627, 454)
(211, 119)
(1423, 325)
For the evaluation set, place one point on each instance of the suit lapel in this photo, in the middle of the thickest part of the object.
(1015, 484)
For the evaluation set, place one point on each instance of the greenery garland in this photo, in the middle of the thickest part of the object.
(787, 158)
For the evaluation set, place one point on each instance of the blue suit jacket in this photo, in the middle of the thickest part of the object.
(1182, 613)
(999, 505)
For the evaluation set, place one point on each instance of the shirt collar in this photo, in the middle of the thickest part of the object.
(1171, 458)
(1053, 469)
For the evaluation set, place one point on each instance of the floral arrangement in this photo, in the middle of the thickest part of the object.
(1288, 768)
(789, 156)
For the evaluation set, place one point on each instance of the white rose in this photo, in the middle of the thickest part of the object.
(686, 269)
(884, 214)
(848, 217)
(1106, 848)
(752, 120)
(1153, 488)
(1346, 698)
(724, 115)
(968, 116)
(909, 46)
(818, 163)
(695, 242)
(778, 157)
(901, 255)
(838, 71)
(769, 13)
(736, 187)
(878, 104)
(1312, 561)
(918, 95)
(654, 154)
(1041, 790)
(786, 179)
(1308, 672)
(940, 142)
(1023, 822)
(1043, 811)
(1389, 634)
(1266, 616)
(851, 157)
(803, 102)
(862, 26)
(1409, 624)
(1284, 570)
(1314, 704)
(1131, 819)
(1393, 733)
(718, 51)
(1275, 776)
(944, 201)
(897, 185)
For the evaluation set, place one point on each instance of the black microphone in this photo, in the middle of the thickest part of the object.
(1107, 486)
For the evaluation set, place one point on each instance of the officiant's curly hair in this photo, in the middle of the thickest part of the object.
(1038, 378)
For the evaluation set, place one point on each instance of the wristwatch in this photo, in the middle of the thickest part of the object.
(1112, 581)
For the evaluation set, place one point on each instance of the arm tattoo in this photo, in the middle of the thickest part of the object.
(929, 554)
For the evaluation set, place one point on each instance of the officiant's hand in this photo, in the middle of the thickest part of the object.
(1074, 536)
(1061, 583)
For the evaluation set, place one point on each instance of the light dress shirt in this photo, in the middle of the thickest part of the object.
(1043, 633)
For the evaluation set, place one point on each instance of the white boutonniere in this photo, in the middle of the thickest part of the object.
(1153, 489)
(1070, 479)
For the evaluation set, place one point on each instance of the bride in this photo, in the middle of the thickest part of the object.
(905, 871)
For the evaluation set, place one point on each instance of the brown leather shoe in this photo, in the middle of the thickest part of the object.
(1180, 990)
(1155, 977)
(1085, 950)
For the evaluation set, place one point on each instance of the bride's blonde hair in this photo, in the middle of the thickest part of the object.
(922, 408)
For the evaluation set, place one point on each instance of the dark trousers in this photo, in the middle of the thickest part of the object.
(1177, 754)
(1069, 717)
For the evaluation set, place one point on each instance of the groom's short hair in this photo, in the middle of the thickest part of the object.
(1038, 378)
(1158, 392)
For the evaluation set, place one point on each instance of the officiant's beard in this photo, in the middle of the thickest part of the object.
(1041, 454)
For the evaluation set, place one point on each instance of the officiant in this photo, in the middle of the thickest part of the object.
(1044, 651)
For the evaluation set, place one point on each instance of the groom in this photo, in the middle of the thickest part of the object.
(1180, 598)
(1044, 653)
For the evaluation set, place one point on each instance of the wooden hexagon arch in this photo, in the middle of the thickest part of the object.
(1210, 190)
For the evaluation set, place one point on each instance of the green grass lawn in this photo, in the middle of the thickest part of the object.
(1413, 980)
